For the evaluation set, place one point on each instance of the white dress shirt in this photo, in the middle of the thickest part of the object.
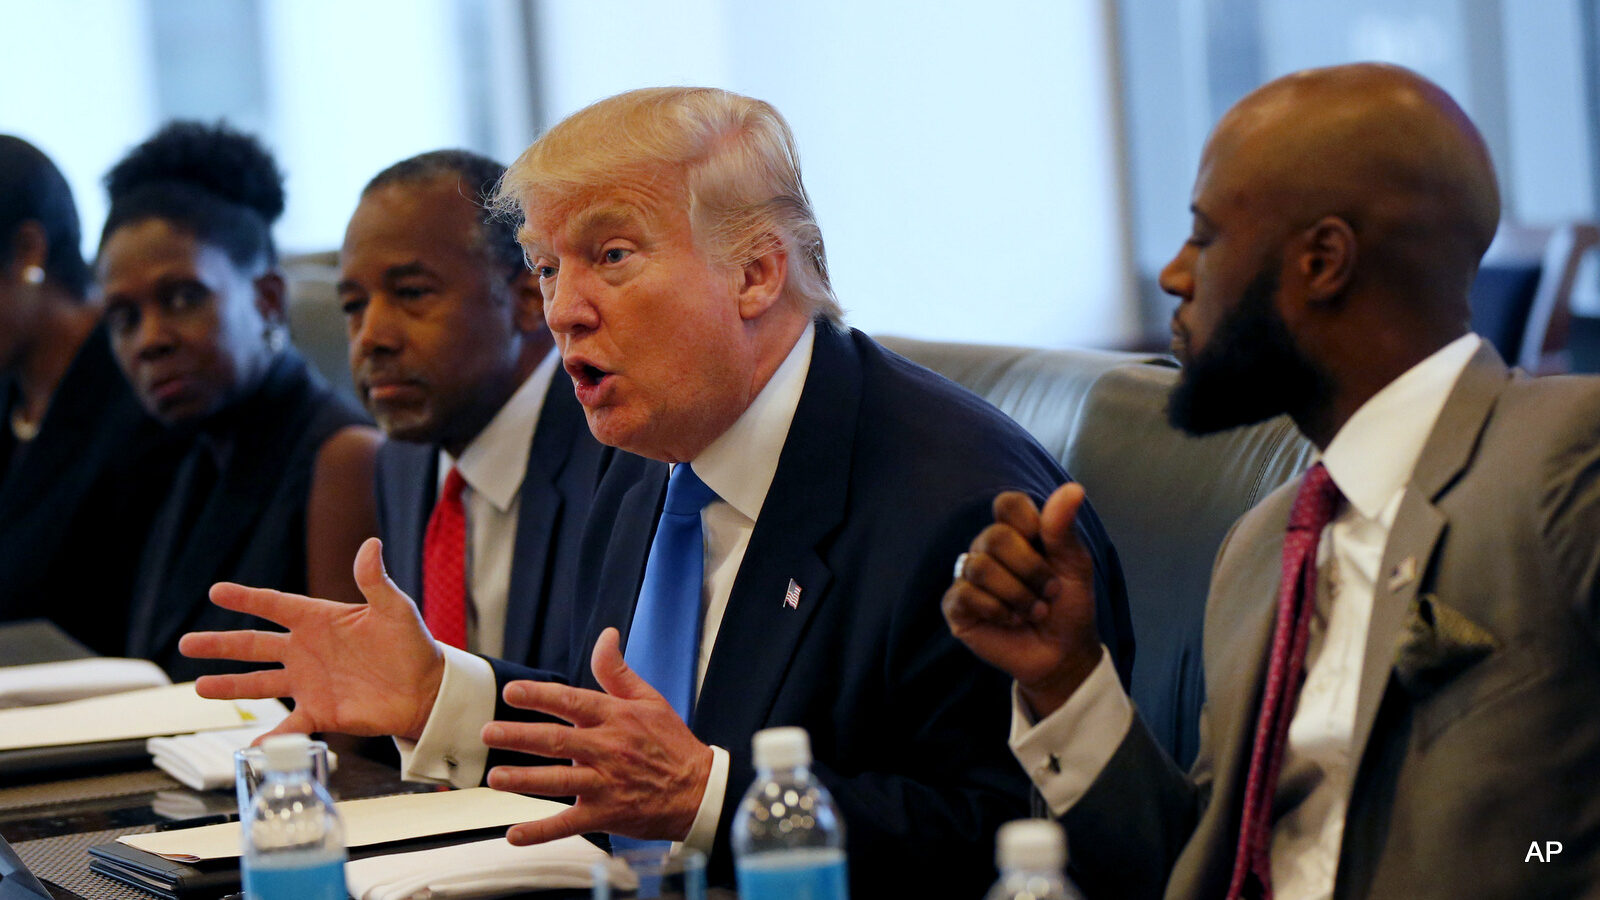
(1370, 460)
(493, 466)
(739, 466)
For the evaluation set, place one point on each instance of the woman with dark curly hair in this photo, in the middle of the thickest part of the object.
(277, 490)
(81, 464)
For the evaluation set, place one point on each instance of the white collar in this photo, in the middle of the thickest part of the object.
(740, 463)
(494, 463)
(1372, 456)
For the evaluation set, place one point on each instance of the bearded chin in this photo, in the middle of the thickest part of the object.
(1249, 371)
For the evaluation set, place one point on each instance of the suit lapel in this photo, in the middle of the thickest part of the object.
(760, 632)
(1419, 524)
(1236, 666)
(410, 476)
(540, 504)
(629, 541)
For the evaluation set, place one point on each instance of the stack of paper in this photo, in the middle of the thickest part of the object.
(75, 679)
(204, 861)
(492, 868)
(173, 709)
(379, 820)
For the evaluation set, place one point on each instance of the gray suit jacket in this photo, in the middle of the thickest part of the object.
(1478, 716)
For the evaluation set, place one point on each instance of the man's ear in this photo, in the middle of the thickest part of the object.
(760, 282)
(527, 301)
(272, 297)
(1327, 258)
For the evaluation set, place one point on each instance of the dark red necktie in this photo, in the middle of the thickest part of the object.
(444, 565)
(1297, 599)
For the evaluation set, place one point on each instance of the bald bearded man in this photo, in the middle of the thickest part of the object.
(1402, 652)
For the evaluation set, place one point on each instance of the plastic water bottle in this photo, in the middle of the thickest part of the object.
(788, 840)
(1032, 855)
(293, 839)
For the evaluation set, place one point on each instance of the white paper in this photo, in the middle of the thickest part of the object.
(492, 868)
(75, 679)
(151, 712)
(366, 822)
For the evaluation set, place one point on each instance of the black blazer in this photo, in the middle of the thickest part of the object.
(75, 509)
(557, 490)
(248, 522)
(888, 472)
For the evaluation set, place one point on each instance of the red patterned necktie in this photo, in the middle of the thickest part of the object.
(1297, 598)
(444, 565)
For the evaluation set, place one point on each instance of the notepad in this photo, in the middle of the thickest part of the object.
(171, 709)
(379, 820)
(76, 679)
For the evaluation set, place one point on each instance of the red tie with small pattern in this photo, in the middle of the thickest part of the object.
(444, 565)
(1297, 599)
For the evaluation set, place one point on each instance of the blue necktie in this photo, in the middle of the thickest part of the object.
(664, 640)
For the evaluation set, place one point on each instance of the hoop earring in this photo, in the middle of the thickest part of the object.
(277, 338)
(33, 275)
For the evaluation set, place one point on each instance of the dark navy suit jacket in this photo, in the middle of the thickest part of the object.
(557, 489)
(888, 472)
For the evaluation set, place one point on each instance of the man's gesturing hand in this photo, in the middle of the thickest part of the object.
(1026, 603)
(358, 668)
(637, 769)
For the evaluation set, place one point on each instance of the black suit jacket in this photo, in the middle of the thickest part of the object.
(246, 524)
(76, 505)
(887, 473)
(557, 489)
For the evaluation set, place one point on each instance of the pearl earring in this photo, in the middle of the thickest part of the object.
(277, 338)
(33, 275)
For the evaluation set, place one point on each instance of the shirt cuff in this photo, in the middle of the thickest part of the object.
(1065, 752)
(451, 749)
(703, 830)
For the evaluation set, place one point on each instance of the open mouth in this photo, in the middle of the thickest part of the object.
(585, 375)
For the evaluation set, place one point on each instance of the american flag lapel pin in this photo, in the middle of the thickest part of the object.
(791, 597)
(1403, 574)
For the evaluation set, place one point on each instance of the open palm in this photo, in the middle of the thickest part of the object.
(366, 669)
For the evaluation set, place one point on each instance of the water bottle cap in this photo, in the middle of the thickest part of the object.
(782, 748)
(287, 752)
(1031, 844)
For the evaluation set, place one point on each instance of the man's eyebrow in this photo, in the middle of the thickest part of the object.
(390, 275)
(586, 223)
(603, 217)
(530, 244)
(1201, 217)
(405, 270)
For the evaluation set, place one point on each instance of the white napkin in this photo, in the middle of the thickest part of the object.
(75, 679)
(204, 761)
(492, 868)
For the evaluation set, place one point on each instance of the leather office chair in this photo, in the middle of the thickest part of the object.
(1165, 498)
(1522, 296)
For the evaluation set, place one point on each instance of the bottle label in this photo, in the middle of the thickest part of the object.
(320, 881)
(810, 874)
